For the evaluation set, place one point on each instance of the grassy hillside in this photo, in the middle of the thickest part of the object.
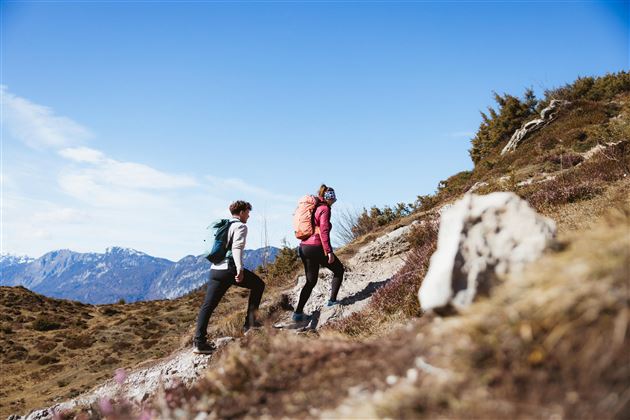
(54, 349)
(550, 342)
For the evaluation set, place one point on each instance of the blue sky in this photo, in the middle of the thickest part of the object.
(136, 123)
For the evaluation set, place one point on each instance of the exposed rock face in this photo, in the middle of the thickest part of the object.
(386, 246)
(546, 115)
(482, 238)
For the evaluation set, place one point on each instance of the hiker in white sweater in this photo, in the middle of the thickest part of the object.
(230, 272)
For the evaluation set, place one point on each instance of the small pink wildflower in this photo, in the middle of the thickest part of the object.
(120, 376)
(145, 415)
(106, 406)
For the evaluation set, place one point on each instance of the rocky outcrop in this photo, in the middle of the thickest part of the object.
(482, 238)
(546, 115)
(388, 245)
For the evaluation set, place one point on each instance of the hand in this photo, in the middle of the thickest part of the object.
(331, 258)
(239, 276)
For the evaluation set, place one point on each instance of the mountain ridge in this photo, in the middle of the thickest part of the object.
(118, 274)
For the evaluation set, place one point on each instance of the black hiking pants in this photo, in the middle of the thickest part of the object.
(220, 281)
(312, 257)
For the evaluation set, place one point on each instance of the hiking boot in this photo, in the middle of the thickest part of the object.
(332, 303)
(298, 317)
(203, 347)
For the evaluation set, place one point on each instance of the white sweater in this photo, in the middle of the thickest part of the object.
(237, 236)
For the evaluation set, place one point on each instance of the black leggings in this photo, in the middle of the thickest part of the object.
(312, 257)
(220, 281)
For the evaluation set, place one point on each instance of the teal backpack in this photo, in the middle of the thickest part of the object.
(216, 243)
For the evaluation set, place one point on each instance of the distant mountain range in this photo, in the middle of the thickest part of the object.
(119, 273)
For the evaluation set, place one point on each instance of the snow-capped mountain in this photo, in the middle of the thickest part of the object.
(119, 273)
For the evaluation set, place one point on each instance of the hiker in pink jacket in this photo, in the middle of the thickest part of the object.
(316, 251)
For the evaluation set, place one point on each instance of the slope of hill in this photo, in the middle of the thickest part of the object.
(119, 273)
(549, 342)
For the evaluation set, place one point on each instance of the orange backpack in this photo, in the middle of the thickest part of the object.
(303, 218)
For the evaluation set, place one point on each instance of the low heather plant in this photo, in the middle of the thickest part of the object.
(400, 293)
(558, 192)
(565, 160)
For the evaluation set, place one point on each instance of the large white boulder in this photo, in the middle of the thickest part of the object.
(481, 238)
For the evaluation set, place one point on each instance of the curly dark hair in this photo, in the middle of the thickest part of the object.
(238, 206)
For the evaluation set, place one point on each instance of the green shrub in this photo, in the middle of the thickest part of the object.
(284, 266)
(373, 219)
(592, 88)
(498, 126)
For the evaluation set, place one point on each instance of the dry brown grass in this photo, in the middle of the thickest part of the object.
(276, 374)
(54, 349)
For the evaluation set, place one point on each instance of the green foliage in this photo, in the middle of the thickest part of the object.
(448, 188)
(376, 217)
(499, 125)
(592, 88)
(285, 265)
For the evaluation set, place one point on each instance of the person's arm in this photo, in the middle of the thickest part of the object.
(238, 246)
(324, 229)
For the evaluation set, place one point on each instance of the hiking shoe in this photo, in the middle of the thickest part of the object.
(332, 303)
(204, 348)
(298, 317)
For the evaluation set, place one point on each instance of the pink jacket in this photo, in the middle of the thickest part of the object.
(321, 236)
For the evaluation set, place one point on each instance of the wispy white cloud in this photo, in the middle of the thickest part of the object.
(130, 175)
(238, 185)
(105, 182)
(81, 198)
(37, 125)
(83, 154)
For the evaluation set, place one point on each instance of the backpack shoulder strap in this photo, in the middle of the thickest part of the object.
(318, 203)
(230, 237)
